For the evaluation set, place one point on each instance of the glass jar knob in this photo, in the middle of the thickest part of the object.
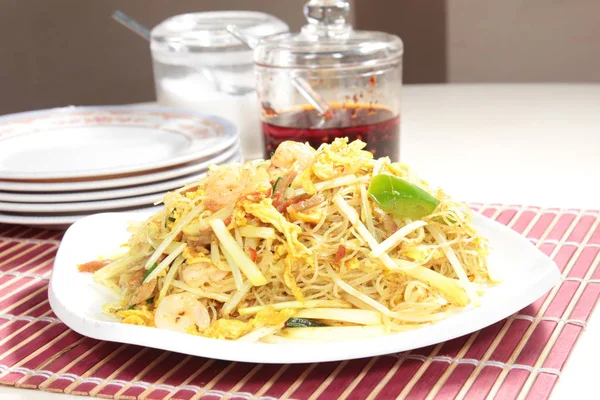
(327, 18)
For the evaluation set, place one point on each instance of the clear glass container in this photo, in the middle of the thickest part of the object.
(199, 65)
(358, 74)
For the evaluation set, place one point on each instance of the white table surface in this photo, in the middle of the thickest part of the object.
(520, 144)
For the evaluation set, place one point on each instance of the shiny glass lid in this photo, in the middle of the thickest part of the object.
(205, 31)
(328, 41)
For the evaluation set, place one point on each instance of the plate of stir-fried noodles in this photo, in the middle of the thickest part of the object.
(313, 255)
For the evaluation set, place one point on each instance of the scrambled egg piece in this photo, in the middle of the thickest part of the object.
(420, 254)
(353, 263)
(194, 194)
(481, 246)
(398, 169)
(270, 316)
(340, 158)
(142, 317)
(239, 217)
(269, 215)
(233, 329)
(312, 217)
(193, 257)
(290, 280)
(305, 179)
(227, 329)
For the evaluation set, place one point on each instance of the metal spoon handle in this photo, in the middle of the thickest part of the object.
(299, 83)
(310, 95)
(131, 24)
(247, 40)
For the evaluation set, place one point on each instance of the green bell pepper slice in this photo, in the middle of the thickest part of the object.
(401, 198)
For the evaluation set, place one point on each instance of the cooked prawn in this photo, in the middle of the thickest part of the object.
(180, 312)
(292, 156)
(224, 186)
(197, 274)
(228, 183)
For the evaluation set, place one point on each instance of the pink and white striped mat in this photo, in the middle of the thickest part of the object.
(520, 357)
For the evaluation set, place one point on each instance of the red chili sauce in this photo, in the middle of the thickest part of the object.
(377, 126)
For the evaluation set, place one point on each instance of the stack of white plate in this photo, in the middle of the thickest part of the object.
(59, 165)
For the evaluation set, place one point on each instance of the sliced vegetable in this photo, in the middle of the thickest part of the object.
(152, 268)
(215, 257)
(116, 267)
(155, 270)
(171, 248)
(448, 286)
(350, 213)
(235, 299)
(455, 262)
(407, 268)
(331, 184)
(366, 209)
(263, 232)
(246, 265)
(399, 197)
(280, 187)
(174, 232)
(235, 271)
(303, 323)
(363, 297)
(197, 228)
(396, 238)
(275, 184)
(170, 276)
(199, 292)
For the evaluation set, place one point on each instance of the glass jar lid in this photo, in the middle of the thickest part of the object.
(205, 31)
(328, 41)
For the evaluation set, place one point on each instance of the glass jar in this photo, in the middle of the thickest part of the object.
(358, 74)
(199, 65)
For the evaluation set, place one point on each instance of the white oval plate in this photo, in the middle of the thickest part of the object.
(77, 300)
(95, 184)
(82, 206)
(160, 187)
(105, 194)
(77, 142)
(60, 221)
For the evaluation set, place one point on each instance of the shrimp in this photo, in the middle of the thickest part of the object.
(180, 312)
(224, 186)
(197, 274)
(227, 184)
(291, 156)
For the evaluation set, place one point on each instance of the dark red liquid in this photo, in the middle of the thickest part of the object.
(378, 127)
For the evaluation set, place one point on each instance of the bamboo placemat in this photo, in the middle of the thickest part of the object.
(519, 357)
